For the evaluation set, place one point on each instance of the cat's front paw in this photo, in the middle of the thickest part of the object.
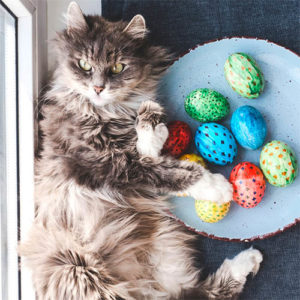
(151, 129)
(151, 112)
(212, 187)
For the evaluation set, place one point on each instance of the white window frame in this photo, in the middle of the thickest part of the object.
(32, 67)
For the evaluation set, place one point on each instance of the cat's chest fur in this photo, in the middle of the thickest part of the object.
(70, 141)
(66, 133)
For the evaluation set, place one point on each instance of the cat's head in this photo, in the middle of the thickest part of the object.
(107, 62)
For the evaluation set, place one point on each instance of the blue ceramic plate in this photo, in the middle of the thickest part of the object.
(202, 67)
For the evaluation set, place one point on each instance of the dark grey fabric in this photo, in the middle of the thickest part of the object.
(182, 24)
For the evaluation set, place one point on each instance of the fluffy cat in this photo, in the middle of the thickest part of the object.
(101, 229)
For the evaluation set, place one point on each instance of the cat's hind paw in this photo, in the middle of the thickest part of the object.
(246, 262)
(229, 280)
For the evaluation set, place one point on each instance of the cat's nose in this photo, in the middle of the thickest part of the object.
(98, 89)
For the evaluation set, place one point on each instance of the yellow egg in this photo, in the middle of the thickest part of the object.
(211, 212)
(195, 158)
(207, 211)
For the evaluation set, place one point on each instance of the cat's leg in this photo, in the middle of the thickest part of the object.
(173, 268)
(171, 176)
(229, 280)
(172, 260)
(151, 129)
(153, 174)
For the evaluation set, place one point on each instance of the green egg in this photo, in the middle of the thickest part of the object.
(206, 105)
(278, 163)
(243, 75)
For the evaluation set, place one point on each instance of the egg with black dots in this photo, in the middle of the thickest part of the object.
(215, 143)
(206, 105)
(179, 139)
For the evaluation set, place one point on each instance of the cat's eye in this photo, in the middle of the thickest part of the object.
(85, 66)
(117, 68)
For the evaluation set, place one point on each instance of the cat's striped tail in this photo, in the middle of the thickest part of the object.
(63, 270)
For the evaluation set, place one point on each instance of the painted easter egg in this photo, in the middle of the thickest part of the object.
(243, 75)
(215, 143)
(195, 158)
(278, 163)
(180, 136)
(206, 105)
(211, 212)
(248, 184)
(249, 127)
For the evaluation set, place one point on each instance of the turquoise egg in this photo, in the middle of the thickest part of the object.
(215, 143)
(249, 127)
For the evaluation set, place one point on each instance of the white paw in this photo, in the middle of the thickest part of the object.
(246, 262)
(212, 187)
(151, 141)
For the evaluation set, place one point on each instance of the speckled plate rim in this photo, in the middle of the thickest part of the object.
(246, 240)
(254, 238)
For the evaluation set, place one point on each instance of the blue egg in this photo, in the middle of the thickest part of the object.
(215, 143)
(248, 127)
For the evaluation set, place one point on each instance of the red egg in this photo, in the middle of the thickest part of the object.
(180, 136)
(248, 184)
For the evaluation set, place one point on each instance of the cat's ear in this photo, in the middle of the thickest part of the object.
(136, 27)
(75, 18)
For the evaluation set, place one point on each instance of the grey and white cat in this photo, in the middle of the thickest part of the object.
(101, 230)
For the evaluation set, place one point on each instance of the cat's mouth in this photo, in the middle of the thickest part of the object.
(100, 100)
